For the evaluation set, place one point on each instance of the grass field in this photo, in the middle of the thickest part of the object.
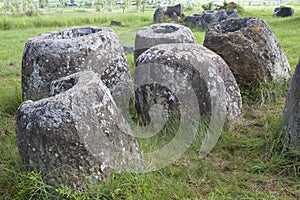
(246, 163)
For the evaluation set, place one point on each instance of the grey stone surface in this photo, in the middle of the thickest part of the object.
(250, 49)
(178, 69)
(193, 21)
(57, 54)
(77, 135)
(291, 115)
(164, 33)
(158, 15)
(208, 17)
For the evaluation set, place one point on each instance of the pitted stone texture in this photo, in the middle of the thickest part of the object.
(250, 49)
(208, 17)
(57, 54)
(193, 21)
(198, 66)
(164, 33)
(291, 115)
(77, 135)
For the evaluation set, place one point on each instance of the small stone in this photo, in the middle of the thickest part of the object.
(115, 23)
(283, 12)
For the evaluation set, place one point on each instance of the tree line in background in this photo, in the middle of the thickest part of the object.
(32, 7)
(26, 7)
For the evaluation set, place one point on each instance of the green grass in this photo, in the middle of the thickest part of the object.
(246, 163)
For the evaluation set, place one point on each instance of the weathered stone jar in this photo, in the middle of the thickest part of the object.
(158, 15)
(250, 49)
(164, 33)
(57, 54)
(171, 74)
(291, 116)
(78, 135)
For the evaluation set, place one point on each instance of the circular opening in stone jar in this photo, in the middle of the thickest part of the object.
(73, 33)
(165, 29)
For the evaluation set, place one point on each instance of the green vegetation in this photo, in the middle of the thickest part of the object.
(246, 163)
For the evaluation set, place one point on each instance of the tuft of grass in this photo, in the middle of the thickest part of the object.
(31, 186)
(131, 64)
(72, 19)
(25, 185)
(264, 92)
(10, 101)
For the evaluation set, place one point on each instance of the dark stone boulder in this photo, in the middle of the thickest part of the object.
(291, 115)
(172, 74)
(164, 33)
(115, 23)
(174, 10)
(158, 15)
(56, 54)
(77, 136)
(249, 48)
(283, 12)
